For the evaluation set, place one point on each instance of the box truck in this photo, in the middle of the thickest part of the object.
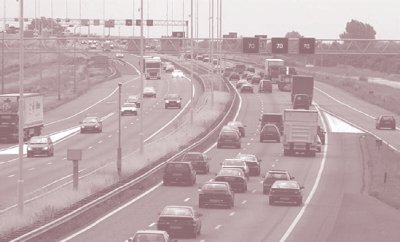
(302, 85)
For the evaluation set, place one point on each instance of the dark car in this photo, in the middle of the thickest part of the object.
(40, 145)
(91, 124)
(270, 132)
(229, 138)
(265, 86)
(273, 175)
(235, 177)
(234, 76)
(228, 71)
(150, 236)
(179, 173)
(386, 121)
(239, 125)
(216, 194)
(133, 99)
(255, 79)
(286, 192)
(173, 100)
(301, 101)
(236, 163)
(252, 162)
(200, 161)
(246, 87)
(251, 69)
(273, 118)
(321, 133)
(180, 220)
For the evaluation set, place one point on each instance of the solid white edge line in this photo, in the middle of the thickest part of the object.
(111, 213)
(314, 188)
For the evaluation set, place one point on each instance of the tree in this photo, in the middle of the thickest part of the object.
(293, 34)
(358, 30)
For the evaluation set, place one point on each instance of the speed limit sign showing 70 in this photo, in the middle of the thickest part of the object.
(251, 45)
(307, 45)
(279, 45)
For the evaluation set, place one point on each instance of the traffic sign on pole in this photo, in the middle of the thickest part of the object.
(306, 45)
(251, 45)
(279, 45)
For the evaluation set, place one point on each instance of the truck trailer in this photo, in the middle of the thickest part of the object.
(32, 116)
(152, 67)
(273, 69)
(300, 134)
(302, 85)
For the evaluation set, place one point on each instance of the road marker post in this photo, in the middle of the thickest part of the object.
(75, 155)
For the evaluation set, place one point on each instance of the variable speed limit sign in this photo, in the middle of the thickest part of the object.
(251, 45)
(279, 45)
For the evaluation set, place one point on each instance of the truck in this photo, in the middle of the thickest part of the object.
(152, 67)
(300, 131)
(302, 85)
(32, 115)
(284, 81)
(273, 69)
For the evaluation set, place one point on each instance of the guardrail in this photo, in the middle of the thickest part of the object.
(114, 194)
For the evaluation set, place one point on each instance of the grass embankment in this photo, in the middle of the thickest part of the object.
(380, 162)
(105, 175)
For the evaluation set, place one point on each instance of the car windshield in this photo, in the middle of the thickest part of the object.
(387, 118)
(90, 120)
(149, 237)
(192, 156)
(277, 176)
(269, 128)
(234, 163)
(177, 211)
(172, 96)
(228, 135)
(215, 187)
(247, 157)
(289, 184)
(230, 172)
(177, 167)
(129, 105)
(38, 140)
(148, 89)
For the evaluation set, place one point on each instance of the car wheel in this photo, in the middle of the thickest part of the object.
(271, 202)
(28, 154)
(165, 183)
(377, 127)
(218, 146)
(100, 130)
(265, 191)
(278, 140)
(299, 202)
(286, 152)
(135, 113)
(201, 205)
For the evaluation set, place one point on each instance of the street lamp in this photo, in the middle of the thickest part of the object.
(192, 60)
(141, 135)
(119, 131)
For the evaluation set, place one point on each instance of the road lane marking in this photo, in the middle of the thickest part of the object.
(152, 224)
(244, 201)
(218, 226)
(187, 199)
(49, 163)
(100, 141)
(11, 175)
(109, 136)
(254, 191)
(90, 147)
(231, 213)
(32, 168)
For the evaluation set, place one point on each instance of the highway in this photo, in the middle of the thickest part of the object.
(43, 173)
(334, 178)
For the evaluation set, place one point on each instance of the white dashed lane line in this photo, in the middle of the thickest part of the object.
(90, 147)
(231, 213)
(109, 136)
(152, 224)
(187, 199)
(244, 201)
(32, 168)
(49, 163)
(218, 226)
(11, 176)
(100, 141)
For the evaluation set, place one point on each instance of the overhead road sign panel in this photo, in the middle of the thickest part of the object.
(178, 34)
(96, 22)
(84, 22)
(128, 22)
(307, 45)
(251, 45)
(279, 45)
(149, 22)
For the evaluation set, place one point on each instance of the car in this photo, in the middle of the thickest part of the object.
(169, 67)
(91, 124)
(92, 46)
(119, 55)
(252, 162)
(236, 163)
(200, 57)
(273, 175)
(179, 172)
(172, 100)
(150, 236)
(234, 176)
(177, 73)
(265, 86)
(249, 77)
(240, 83)
(129, 109)
(231, 128)
(206, 59)
(255, 79)
(251, 69)
(234, 76)
(40, 145)
(270, 132)
(385, 121)
(321, 133)
(228, 138)
(246, 87)
(215, 193)
(301, 101)
(228, 71)
(239, 125)
(149, 92)
(165, 64)
(133, 99)
(199, 161)
(180, 219)
(286, 191)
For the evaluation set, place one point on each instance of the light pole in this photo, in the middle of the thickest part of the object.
(104, 17)
(141, 76)
(192, 60)
(212, 51)
(119, 153)
(133, 18)
(2, 48)
(20, 110)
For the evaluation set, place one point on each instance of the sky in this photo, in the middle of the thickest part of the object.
(322, 19)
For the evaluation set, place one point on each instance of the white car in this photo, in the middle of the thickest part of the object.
(119, 55)
(177, 73)
(128, 109)
(169, 68)
(149, 92)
